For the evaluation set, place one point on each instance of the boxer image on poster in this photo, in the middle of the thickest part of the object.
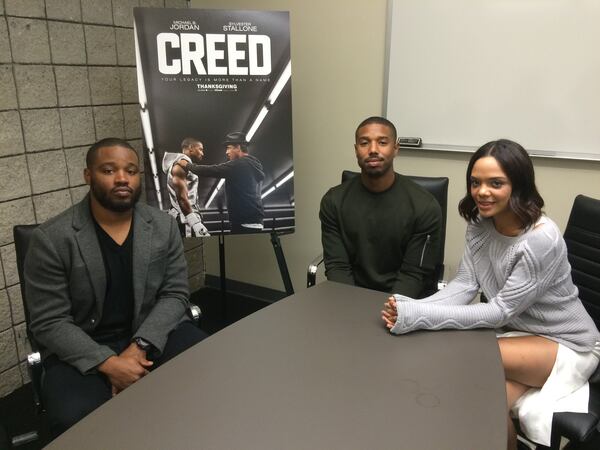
(243, 174)
(183, 187)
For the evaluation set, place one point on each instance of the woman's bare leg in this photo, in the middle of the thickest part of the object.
(527, 361)
(514, 390)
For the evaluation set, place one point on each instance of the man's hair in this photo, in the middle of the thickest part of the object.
(188, 142)
(379, 120)
(92, 153)
(525, 200)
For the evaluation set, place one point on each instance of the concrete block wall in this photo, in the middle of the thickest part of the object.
(67, 79)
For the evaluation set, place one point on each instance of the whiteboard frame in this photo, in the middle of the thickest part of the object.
(458, 148)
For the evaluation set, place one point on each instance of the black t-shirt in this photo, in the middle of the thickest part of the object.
(117, 312)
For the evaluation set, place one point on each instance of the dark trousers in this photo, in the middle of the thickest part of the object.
(69, 396)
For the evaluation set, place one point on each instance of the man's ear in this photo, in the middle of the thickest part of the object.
(87, 176)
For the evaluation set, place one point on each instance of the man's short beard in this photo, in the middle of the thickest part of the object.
(374, 174)
(115, 206)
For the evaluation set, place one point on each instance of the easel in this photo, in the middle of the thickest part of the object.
(283, 269)
(277, 248)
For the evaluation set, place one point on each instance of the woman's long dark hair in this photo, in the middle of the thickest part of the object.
(525, 200)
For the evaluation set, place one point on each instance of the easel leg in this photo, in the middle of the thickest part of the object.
(285, 274)
(222, 276)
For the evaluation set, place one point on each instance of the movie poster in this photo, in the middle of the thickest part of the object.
(216, 108)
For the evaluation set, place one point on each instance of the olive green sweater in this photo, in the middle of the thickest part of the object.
(387, 241)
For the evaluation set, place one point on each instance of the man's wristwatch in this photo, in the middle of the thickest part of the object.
(142, 344)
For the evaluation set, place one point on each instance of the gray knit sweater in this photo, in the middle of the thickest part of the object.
(527, 280)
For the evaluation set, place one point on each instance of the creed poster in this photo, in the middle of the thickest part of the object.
(216, 109)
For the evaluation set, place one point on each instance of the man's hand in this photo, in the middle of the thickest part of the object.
(125, 369)
(134, 351)
(198, 228)
(389, 313)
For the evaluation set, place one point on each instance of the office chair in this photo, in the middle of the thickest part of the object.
(582, 236)
(438, 187)
(22, 236)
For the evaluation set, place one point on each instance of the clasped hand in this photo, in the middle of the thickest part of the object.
(389, 313)
(125, 369)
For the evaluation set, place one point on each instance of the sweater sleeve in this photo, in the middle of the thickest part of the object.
(335, 256)
(171, 298)
(534, 265)
(461, 290)
(213, 171)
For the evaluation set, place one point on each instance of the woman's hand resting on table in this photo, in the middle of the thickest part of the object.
(389, 313)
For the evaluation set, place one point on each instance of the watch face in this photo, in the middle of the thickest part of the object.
(142, 344)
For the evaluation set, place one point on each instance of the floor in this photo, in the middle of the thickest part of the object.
(17, 414)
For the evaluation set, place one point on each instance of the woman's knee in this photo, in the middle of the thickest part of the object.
(528, 360)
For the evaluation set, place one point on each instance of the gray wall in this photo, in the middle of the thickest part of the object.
(67, 79)
(338, 56)
(337, 80)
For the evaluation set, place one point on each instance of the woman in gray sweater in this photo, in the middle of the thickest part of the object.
(518, 258)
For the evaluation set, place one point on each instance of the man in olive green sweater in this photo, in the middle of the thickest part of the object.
(380, 230)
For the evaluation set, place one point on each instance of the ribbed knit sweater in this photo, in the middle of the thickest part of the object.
(527, 280)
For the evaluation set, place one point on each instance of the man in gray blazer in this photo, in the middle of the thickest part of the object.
(107, 291)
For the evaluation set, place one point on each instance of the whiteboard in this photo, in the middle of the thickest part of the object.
(464, 72)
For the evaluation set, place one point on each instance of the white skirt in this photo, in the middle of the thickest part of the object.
(566, 389)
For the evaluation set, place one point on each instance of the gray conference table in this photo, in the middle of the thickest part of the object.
(316, 370)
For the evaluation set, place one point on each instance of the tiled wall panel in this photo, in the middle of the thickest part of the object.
(67, 79)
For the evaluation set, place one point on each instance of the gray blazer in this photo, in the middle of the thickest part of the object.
(65, 282)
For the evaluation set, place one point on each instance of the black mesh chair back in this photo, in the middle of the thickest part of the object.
(22, 235)
(582, 236)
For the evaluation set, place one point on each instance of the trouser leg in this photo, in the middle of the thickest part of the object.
(69, 396)
(181, 338)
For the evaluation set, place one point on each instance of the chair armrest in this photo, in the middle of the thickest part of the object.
(195, 313)
(313, 267)
(595, 377)
(35, 370)
(580, 427)
(34, 359)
